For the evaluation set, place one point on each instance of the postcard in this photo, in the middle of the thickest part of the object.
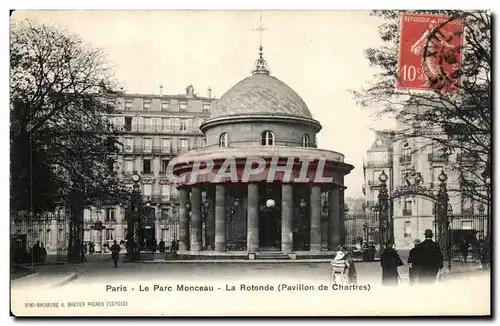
(250, 163)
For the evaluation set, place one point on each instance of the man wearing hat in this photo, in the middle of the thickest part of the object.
(413, 262)
(430, 259)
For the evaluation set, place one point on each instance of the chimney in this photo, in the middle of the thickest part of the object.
(209, 92)
(161, 90)
(190, 91)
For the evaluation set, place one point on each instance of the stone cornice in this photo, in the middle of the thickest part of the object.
(273, 118)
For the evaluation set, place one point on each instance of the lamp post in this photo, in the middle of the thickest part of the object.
(383, 199)
(132, 221)
(376, 210)
(443, 220)
(449, 222)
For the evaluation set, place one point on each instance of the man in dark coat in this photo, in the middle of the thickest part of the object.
(115, 252)
(413, 260)
(390, 261)
(430, 261)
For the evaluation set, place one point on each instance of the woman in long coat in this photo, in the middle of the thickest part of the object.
(390, 261)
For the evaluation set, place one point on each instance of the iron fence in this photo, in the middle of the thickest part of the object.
(466, 231)
(47, 233)
(360, 227)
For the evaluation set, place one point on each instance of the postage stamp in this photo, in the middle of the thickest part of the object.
(229, 163)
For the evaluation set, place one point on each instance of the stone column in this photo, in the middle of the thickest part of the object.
(253, 218)
(195, 219)
(220, 218)
(183, 220)
(333, 219)
(315, 209)
(286, 218)
(210, 223)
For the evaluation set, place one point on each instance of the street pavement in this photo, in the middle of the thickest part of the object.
(102, 270)
(99, 268)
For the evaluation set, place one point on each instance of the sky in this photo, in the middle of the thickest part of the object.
(319, 54)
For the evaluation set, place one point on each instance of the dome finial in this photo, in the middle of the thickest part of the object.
(260, 64)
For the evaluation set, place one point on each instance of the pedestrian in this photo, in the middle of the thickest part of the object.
(115, 252)
(430, 260)
(413, 263)
(161, 246)
(390, 261)
(343, 268)
(464, 249)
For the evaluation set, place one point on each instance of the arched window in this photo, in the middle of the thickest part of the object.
(405, 153)
(267, 138)
(223, 140)
(305, 140)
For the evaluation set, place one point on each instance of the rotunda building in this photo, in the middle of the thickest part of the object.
(260, 184)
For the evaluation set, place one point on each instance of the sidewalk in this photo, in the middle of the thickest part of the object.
(43, 280)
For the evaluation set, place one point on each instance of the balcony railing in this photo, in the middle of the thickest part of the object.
(158, 150)
(405, 159)
(379, 163)
(158, 129)
(437, 157)
(406, 212)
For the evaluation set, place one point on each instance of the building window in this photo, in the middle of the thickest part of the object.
(148, 124)
(223, 140)
(165, 106)
(110, 215)
(267, 138)
(165, 122)
(129, 105)
(183, 145)
(406, 153)
(128, 145)
(128, 124)
(407, 207)
(305, 140)
(125, 233)
(147, 145)
(111, 105)
(407, 233)
(183, 125)
(166, 147)
(146, 166)
(206, 107)
(146, 105)
(165, 191)
(164, 166)
(128, 166)
(147, 189)
(405, 174)
(182, 107)
(110, 234)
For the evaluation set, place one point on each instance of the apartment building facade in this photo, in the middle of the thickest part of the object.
(413, 214)
(152, 129)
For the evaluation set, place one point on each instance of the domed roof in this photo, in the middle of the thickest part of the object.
(260, 94)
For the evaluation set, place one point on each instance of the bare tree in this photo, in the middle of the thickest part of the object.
(61, 149)
(457, 122)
